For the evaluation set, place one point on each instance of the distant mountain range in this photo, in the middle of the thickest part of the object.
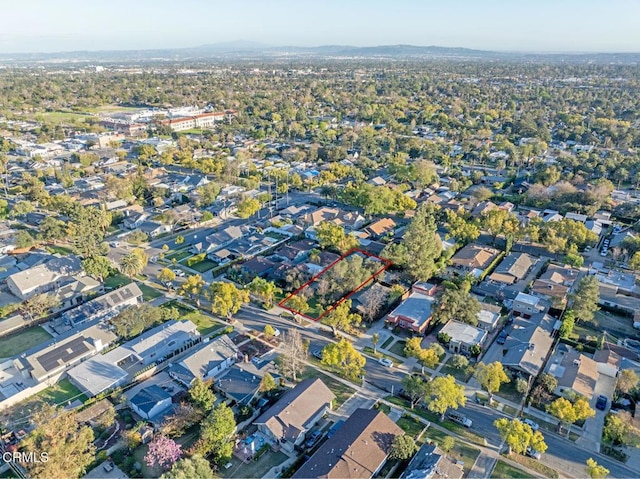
(245, 50)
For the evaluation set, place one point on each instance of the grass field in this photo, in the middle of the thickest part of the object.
(507, 471)
(460, 374)
(398, 348)
(62, 117)
(203, 266)
(206, 324)
(15, 344)
(61, 393)
(388, 341)
(534, 465)
(116, 281)
(61, 250)
(254, 468)
(149, 293)
(411, 426)
(179, 255)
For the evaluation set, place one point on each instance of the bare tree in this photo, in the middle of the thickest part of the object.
(295, 353)
(372, 301)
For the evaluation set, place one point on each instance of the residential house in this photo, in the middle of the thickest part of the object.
(618, 290)
(295, 251)
(295, 413)
(348, 219)
(430, 462)
(257, 266)
(379, 228)
(526, 305)
(209, 360)
(463, 336)
(555, 284)
(527, 345)
(220, 239)
(241, 382)
(576, 373)
(483, 208)
(133, 219)
(513, 268)
(377, 294)
(489, 316)
(106, 306)
(413, 313)
(74, 290)
(474, 259)
(358, 449)
(43, 278)
(151, 401)
(153, 228)
(116, 367)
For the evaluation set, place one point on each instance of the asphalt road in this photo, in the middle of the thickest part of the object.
(562, 454)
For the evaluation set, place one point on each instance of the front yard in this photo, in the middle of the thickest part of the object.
(258, 468)
(61, 393)
(460, 452)
(17, 343)
(341, 390)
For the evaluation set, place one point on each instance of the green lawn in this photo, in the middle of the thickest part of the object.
(62, 117)
(115, 281)
(429, 416)
(205, 323)
(184, 310)
(179, 255)
(411, 426)
(461, 451)
(398, 348)
(341, 390)
(460, 374)
(254, 468)
(534, 465)
(509, 392)
(61, 250)
(149, 293)
(203, 266)
(388, 341)
(17, 343)
(61, 393)
(507, 471)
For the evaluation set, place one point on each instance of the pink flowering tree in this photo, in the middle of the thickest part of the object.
(162, 452)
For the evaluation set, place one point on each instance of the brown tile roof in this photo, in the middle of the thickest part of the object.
(473, 256)
(580, 373)
(357, 450)
(289, 416)
(381, 226)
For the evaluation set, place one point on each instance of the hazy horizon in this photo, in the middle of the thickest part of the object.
(38, 26)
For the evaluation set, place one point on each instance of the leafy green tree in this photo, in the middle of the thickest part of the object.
(429, 357)
(568, 413)
(207, 194)
(97, 266)
(448, 443)
(345, 358)
(491, 377)
(265, 290)
(21, 209)
(444, 393)
(69, 444)
(216, 435)
(456, 303)
(269, 332)
(402, 448)
(37, 306)
(415, 387)
(226, 299)
(331, 235)
(618, 430)
(166, 275)
(459, 361)
(501, 222)
(194, 467)
(87, 228)
(192, 287)
(201, 394)
(131, 264)
(298, 303)
(568, 322)
(23, 239)
(268, 384)
(375, 339)
(420, 247)
(519, 436)
(627, 381)
(463, 230)
(595, 470)
(585, 299)
(341, 318)
(248, 207)
(179, 239)
(52, 229)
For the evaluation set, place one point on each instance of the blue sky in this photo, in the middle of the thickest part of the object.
(512, 25)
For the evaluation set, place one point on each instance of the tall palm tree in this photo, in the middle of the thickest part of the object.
(131, 264)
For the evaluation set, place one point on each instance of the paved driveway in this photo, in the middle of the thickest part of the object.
(592, 434)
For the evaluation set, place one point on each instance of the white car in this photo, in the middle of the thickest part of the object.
(532, 424)
(385, 362)
(276, 332)
(533, 453)
(179, 273)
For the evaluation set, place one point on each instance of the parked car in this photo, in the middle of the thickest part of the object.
(385, 362)
(179, 273)
(276, 332)
(532, 424)
(460, 419)
(502, 337)
(313, 439)
(533, 453)
(335, 428)
(114, 244)
(601, 403)
(317, 353)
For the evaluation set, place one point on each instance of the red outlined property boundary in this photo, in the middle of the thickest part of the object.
(386, 264)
